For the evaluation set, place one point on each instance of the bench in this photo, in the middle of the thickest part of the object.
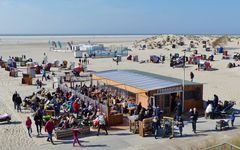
(145, 126)
(115, 119)
(61, 134)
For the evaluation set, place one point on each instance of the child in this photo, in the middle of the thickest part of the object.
(29, 126)
(75, 131)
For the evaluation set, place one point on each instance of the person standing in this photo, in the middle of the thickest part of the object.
(49, 127)
(28, 124)
(14, 99)
(180, 125)
(215, 101)
(102, 123)
(44, 76)
(194, 118)
(155, 126)
(18, 103)
(38, 122)
(191, 76)
(232, 117)
(75, 131)
(178, 111)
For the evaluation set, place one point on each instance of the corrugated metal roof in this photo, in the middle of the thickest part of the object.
(137, 79)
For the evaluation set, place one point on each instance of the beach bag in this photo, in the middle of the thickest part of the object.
(95, 122)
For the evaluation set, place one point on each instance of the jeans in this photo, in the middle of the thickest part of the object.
(19, 108)
(44, 77)
(29, 131)
(15, 105)
(39, 128)
(232, 123)
(50, 136)
(180, 130)
(155, 132)
(194, 124)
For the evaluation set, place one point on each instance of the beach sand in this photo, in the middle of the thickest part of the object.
(223, 81)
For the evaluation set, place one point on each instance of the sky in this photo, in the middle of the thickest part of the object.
(119, 16)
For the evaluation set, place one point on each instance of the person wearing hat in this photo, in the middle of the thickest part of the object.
(155, 125)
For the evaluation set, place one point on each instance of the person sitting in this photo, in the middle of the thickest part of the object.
(64, 124)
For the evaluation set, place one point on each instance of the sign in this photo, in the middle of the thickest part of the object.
(169, 90)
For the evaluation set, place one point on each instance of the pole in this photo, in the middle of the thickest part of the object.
(183, 83)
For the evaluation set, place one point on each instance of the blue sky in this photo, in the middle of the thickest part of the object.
(119, 16)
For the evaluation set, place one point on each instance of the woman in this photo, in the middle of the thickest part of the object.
(75, 131)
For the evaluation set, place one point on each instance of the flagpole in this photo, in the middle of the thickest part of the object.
(183, 82)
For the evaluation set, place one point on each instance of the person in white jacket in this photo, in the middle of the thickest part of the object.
(208, 110)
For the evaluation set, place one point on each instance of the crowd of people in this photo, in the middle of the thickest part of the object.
(69, 108)
(70, 111)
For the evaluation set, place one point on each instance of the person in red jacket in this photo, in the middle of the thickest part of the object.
(49, 127)
(28, 124)
(75, 106)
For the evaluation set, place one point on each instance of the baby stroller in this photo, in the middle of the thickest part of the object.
(222, 124)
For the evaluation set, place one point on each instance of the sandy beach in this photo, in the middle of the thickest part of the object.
(222, 81)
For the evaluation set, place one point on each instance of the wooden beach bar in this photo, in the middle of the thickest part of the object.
(152, 89)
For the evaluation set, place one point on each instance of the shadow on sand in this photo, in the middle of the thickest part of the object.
(11, 123)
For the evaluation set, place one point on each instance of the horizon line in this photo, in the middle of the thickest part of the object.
(104, 34)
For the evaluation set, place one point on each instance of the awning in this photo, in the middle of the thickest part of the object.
(134, 80)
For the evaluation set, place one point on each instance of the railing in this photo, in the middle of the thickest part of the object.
(223, 146)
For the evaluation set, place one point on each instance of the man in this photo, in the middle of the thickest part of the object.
(178, 110)
(191, 76)
(102, 123)
(49, 127)
(194, 118)
(14, 99)
(180, 125)
(155, 126)
(38, 122)
(18, 103)
(215, 101)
